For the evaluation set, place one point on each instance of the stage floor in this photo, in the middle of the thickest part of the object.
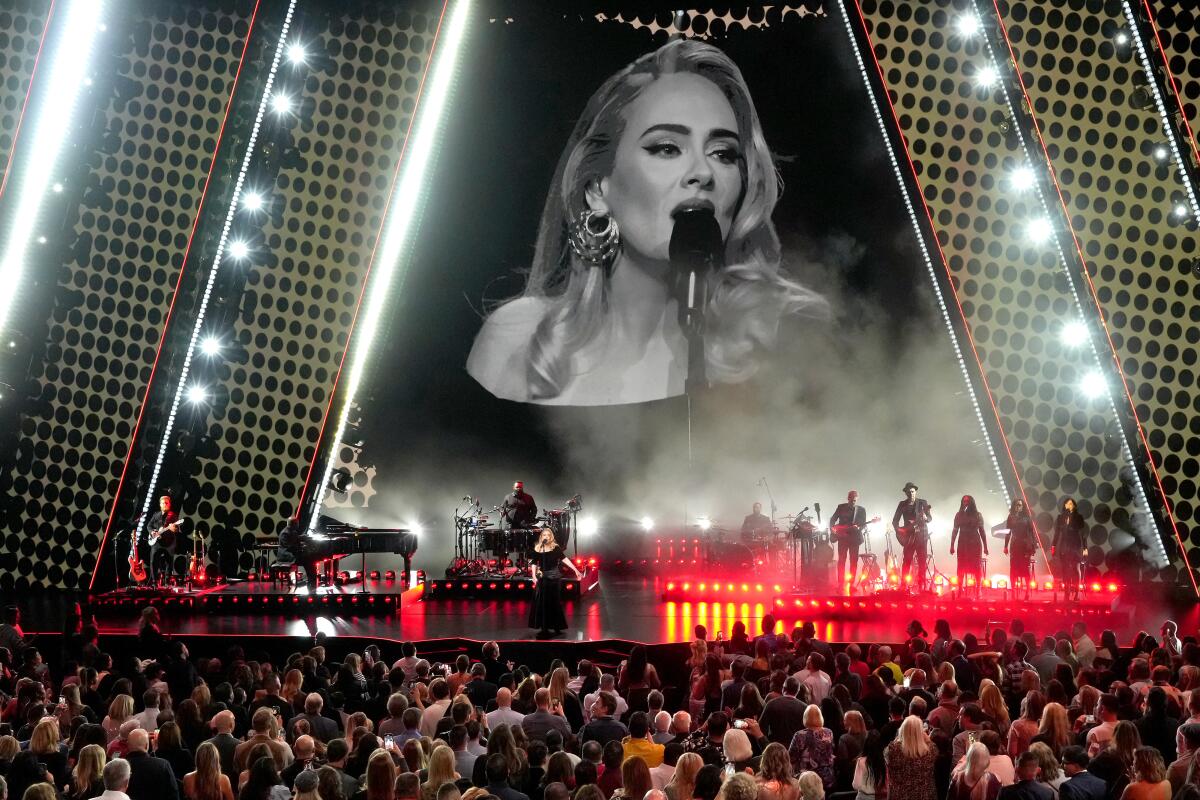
(632, 608)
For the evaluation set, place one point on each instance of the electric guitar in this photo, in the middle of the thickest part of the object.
(907, 534)
(164, 535)
(849, 530)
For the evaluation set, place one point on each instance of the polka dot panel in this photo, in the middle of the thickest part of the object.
(1013, 294)
(354, 107)
(1120, 197)
(21, 27)
(141, 186)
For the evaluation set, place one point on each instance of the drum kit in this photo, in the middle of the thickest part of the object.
(486, 547)
(793, 541)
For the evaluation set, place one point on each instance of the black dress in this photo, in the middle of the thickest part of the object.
(546, 613)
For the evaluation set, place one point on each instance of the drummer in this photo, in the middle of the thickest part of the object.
(756, 525)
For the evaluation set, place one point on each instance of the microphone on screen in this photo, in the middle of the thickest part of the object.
(696, 249)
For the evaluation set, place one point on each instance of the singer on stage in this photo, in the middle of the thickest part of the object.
(546, 613)
(598, 321)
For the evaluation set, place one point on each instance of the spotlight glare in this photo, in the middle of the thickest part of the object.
(1093, 384)
(239, 250)
(987, 77)
(57, 188)
(408, 197)
(1180, 210)
(647, 523)
(1122, 38)
(281, 103)
(1073, 334)
(211, 346)
(588, 526)
(1039, 230)
(296, 53)
(968, 25)
(704, 522)
(1160, 152)
(252, 201)
(1023, 178)
(197, 394)
(34, 173)
(415, 527)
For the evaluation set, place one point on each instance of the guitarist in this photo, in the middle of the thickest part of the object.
(847, 523)
(166, 521)
(911, 522)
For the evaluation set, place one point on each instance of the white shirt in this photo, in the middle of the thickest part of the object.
(431, 715)
(504, 715)
(112, 794)
(1085, 651)
(590, 700)
(818, 683)
(661, 775)
(1099, 736)
(148, 719)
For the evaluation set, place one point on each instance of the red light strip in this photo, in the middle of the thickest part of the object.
(28, 93)
(371, 263)
(1037, 129)
(174, 296)
(950, 279)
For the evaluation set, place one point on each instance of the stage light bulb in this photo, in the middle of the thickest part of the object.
(196, 394)
(281, 103)
(211, 346)
(1093, 384)
(705, 523)
(968, 25)
(296, 54)
(252, 201)
(647, 523)
(57, 188)
(1023, 178)
(1039, 230)
(1073, 334)
(1160, 152)
(588, 526)
(239, 249)
(1122, 38)
(987, 77)
(416, 528)
(1180, 211)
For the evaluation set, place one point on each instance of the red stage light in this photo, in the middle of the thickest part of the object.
(1112, 587)
(798, 604)
(703, 586)
(687, 586)
(570, 586)
(491, 586)
(508, 586)
(390, 575)
(777, 588)
(1095, 587)
(670, 587)
(745, 587)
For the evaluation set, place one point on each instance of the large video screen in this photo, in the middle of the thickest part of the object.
(537, 334)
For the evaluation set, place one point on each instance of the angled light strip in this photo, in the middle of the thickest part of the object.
(912, 215)
(407, 197)
(218, 262)
(68, 67)
(1126, 448)
(12, 150)
(945, 265)
(1161, 105)
(1171, 79)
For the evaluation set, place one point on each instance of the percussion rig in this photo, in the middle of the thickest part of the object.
(485, 547)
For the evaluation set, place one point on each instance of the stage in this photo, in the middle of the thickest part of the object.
(619, 607)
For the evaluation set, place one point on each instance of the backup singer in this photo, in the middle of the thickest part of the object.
(850, 517)
(546, 614)
(971, 540)
(1069, 547)
(519, 509)
(911, 522)
(1020, 546)
(756, 524)
(162, 553)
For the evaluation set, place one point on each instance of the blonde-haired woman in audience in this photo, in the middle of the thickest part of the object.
(683, 783)
(775, 781)
(119, 710)
(810, 786)
(1050, 773)
(910, 761)
(87, 778)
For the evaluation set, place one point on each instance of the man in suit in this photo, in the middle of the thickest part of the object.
(322, 727)
(604, 728)
(1027, 786)
(782, 716)
(913, 516)
(479, 689)
(148, 776)
(1080, 784)
(497, 779)
(847, 524)
(225, 742)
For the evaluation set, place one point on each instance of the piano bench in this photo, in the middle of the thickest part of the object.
(284, 572)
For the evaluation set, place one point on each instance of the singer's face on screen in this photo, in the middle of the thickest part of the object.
(680, 145)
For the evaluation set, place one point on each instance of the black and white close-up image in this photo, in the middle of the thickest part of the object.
(581, 400)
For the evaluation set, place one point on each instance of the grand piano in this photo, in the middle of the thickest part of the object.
(333, 539)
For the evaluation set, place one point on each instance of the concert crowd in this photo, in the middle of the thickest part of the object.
(1020, 715)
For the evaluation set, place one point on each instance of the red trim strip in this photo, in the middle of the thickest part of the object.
(1096, 299)
(174, 297)
(950, 280)
(371, 264)
(28, 93)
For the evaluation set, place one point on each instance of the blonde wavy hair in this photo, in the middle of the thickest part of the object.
(748, 297)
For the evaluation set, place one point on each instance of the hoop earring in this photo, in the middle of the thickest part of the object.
(597, 248)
